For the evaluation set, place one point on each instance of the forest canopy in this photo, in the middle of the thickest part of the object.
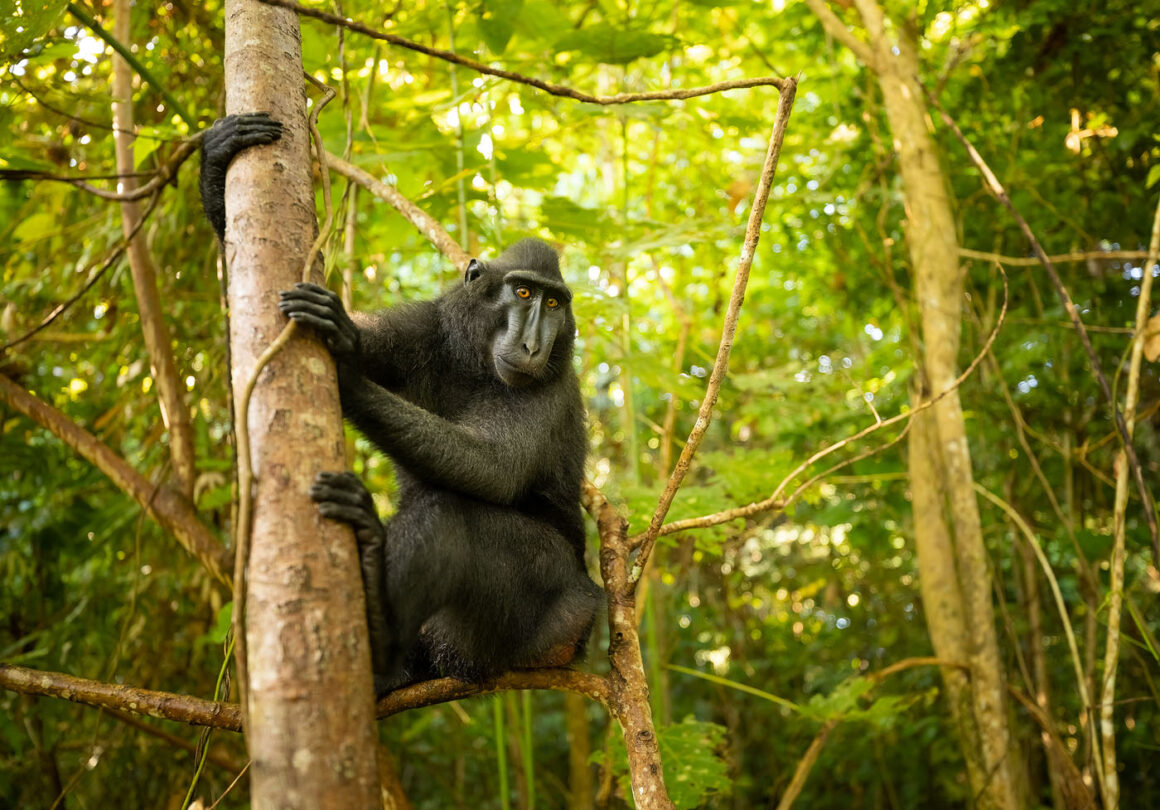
(888, 477)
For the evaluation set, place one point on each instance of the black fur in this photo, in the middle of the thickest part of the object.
(474, 398)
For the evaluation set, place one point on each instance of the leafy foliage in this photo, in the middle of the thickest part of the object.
(648, 203)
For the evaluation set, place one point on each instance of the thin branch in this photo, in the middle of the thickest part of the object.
(1061, 607)
(444, 690)
(108, 262)
(163, 175)
(1120, 505)
(163, 705)
(539, 84)
(774, 501)
(228, 717)
(805, 765)
(171, 510)
(728, 329)
(1125, 436)
(424, 222)
(1062, 258)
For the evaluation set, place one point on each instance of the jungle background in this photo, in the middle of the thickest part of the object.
(767, 638)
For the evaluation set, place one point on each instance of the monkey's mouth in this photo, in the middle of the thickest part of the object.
(514, 376)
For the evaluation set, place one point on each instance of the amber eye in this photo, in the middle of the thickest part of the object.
(552, 303)
(523, 292)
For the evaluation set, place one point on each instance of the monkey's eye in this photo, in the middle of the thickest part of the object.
(523, 292)
(552, 303)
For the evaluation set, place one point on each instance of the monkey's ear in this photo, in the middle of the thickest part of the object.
(473, 271)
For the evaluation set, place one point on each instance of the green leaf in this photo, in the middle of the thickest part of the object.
(27, 23)
(35, 227)
(497, 21)
(610, 44)
(1153, 176)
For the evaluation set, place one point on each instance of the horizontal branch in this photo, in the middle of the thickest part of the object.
(164, 705)
(227, 716)
(548, 87)
(1062, 258)
(445, 690)
(172, 511)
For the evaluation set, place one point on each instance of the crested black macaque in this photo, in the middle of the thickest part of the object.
(474, 398)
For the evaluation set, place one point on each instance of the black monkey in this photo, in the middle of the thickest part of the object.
(474, 398)
(220, 145)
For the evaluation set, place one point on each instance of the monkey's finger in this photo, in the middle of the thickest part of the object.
(311, 297)
(311, 287)
(322, 493)
(324, 326)
(288, 305)
(353, 515)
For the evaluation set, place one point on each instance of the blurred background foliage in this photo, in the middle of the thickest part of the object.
(648, 203)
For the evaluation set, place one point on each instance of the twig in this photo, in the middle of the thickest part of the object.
(774, 502)
(108, 262)
(1125, 436)
(1062, 258)
(1069, 633)
(539, 84)
(728, 329)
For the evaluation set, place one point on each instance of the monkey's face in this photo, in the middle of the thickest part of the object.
(535, 313)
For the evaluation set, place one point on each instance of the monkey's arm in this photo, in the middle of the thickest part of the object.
(494, 460)
(222, 143)
(362, 345)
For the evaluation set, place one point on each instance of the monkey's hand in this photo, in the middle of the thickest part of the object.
(322, 310)
(343, 497)
(222, 143)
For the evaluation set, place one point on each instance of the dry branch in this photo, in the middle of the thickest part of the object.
(163, 705)
(996, 188)
(548, 87)
(728, 330)
(172, 511)
(775, 501)
(227, 716)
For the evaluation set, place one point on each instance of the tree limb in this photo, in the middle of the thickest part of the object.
(539, 84)
(728, 329)
(172, 511)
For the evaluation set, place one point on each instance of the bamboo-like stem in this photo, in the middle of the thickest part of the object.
(1119, 511)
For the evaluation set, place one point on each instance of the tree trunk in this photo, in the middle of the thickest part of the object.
(940, 475)
(308, 696)
(933, 249)
(158, 344)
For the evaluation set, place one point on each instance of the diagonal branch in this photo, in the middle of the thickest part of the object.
(423, 222)
(838, 30)
(548, 87)
(172, 511)
(775, 500)
(1000, 193)
(728, 330)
